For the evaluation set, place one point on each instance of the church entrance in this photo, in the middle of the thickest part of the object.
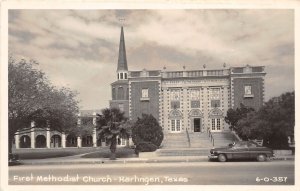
(197, 125)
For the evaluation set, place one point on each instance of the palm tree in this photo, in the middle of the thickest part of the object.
(113, 126)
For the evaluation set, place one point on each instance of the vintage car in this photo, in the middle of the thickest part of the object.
(241, 150)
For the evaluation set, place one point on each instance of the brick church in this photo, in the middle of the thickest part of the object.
(186, 101)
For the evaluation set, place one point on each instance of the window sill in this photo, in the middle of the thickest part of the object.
(248, 96)
(145, 99)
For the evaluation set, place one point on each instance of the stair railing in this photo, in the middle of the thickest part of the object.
(211, 137)
(188, 137)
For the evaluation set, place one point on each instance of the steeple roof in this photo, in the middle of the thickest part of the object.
(122, 60)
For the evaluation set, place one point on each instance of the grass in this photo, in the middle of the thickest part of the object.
(105, 153)
(43, 153)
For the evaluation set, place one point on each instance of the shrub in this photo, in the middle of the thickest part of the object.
(145, 147)
(147, 129)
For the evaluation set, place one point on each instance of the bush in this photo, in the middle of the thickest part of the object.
(145, 147)
(147, 129)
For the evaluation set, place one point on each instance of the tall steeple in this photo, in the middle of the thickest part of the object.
(122, 69)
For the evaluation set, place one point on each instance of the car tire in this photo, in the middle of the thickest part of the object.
(261, 157)
(222, 158)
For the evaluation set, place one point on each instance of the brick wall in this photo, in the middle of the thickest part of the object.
(146, 106)
(257, 89)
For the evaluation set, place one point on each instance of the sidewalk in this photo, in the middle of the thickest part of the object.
(78, 160)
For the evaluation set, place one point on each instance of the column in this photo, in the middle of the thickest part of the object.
(78, 142)
(48, 138)
(94, 137)
(32, 135)
(17, 140)
(63, 140)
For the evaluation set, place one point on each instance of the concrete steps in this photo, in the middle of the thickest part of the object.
(175, 140)
(200, 140)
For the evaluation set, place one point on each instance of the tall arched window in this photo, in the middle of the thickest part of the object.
(114, 93)
(120, 93)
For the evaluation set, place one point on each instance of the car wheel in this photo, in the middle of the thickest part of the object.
(222, 158)
(261, 158)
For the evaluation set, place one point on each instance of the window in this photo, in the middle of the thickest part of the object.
(248, 91)
(215, 93)
(216, 124)
(120, 93)
(121, 76)
(213, 125)
(175, 125)
(195, 98)
(125, 74)
(175, 95)
(121, 107)
(175, 98)
(144, 93)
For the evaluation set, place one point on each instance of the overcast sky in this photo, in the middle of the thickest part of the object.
(79, 48)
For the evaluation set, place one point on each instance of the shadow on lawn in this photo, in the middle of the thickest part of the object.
(105, 153)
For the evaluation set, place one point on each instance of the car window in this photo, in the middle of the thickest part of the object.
(241, 145)
(252, 145)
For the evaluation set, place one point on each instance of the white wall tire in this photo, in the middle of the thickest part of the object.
(261, 158)
(222, 158)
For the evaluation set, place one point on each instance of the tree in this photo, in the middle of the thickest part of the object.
(273, 123)
(113, 126)
(147, 129)
(233, 116)
(31, 97)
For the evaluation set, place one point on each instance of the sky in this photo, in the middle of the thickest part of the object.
(79, 48)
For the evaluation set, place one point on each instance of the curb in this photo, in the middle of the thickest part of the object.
(119, 161)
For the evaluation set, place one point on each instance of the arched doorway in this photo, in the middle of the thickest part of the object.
(25, 141)
(196, 120)
(87, 141)
(71, 140)
(55, 141)
(40, 141)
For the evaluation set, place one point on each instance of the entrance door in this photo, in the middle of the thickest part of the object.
(197, 125)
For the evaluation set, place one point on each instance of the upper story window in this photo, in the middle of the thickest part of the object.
(175, 95)
(145, 94)
(195, 98)
(215, 94)
(248, 91)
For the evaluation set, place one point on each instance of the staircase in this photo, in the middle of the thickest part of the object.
(222, 139)
(175, 140)
(200, 140)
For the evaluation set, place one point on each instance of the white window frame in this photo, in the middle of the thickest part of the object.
(175, 125)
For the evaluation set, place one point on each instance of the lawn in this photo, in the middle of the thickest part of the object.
(42, 153)
(91, 152)
(105, 153)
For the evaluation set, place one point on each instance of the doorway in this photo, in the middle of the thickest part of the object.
(197, 125)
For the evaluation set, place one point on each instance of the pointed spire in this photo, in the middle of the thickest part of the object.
(122, 60)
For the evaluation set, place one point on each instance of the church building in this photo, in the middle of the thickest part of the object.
(195, 101)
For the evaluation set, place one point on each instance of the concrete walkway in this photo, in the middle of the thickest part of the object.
(77, 159)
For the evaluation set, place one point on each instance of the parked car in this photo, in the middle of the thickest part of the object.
(13, 159)
(241, 150)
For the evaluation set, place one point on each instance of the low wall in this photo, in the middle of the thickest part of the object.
(282, 152)
(147, 154)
